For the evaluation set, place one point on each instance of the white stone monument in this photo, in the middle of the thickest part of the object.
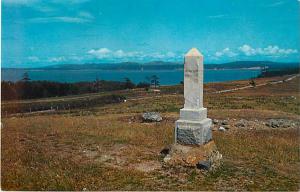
(193, 126)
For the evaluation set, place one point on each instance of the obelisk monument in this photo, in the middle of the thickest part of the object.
(193, 126)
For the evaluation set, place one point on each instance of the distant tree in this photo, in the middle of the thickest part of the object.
(97, 85)
(128, 83)
(252, 83)
(26, 77)
(154, 81)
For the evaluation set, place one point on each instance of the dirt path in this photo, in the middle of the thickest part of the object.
(259, 85)
(226, 90)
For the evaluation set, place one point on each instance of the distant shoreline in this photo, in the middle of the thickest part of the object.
(133, 70)
(160, 65)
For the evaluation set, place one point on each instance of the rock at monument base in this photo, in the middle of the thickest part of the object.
(224, 122)
(205, 156)
(203, 165)
(222, 128)
(215, 121)
(193, 132)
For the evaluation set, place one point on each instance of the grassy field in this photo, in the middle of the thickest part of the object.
(108, 147)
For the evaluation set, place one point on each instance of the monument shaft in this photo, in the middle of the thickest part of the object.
(193, 86)
(193, 127)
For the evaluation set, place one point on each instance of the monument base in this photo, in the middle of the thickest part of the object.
(203, 157)
(189, 132)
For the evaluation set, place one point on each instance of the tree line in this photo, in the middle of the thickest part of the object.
(27, 89)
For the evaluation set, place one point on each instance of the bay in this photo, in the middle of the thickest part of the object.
(166, 77)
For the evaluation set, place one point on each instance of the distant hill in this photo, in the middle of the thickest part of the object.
(161, 65)
(155, 65)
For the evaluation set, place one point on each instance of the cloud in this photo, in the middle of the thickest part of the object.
(85, 14)
(225, 52)
(69, 1)
(271, 51)
(75, 58)
(59, 19)
(216, 16)
(247, 50)
(81, 17)
(53, 6)
(54, 11)
(100, 53)
(18, 2)
(37, 5)
(56, 59)
(275, 50)
(278, 3)
(267, 51)
(30, 2)
(105, 53)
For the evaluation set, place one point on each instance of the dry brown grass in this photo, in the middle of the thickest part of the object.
(106, 148)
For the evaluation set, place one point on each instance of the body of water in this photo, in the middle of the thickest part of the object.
(171, 77)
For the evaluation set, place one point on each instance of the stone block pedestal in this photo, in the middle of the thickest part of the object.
(193, 127)
(193, 132)
(193, 114)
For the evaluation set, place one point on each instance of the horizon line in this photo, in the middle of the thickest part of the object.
(175, 62)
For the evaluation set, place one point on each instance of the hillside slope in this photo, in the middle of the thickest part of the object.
(108, 147)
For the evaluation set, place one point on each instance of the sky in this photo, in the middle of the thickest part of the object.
(48, 32)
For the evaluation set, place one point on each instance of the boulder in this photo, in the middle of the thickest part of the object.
(227, 127)
(152, 117)
(273, 123)
(241, 123)
(215, 121)
(224, 122)
(279, 123)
